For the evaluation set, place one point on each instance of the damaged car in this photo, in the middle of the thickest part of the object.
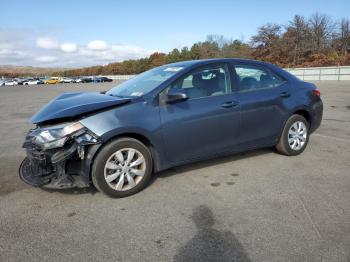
(168, 116)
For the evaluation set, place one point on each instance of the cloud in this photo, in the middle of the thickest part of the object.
(47, 43)
(13, 55)
(97, 45)
(46, 59)
(68, 47)
(25, 47)
(130, 51)
(6, 52)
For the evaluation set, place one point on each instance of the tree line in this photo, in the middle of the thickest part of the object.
(303, 42)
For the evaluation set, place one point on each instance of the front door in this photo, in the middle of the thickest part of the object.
(207, 122)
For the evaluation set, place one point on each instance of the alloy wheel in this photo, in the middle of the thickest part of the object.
(297, 135)
(124, 169)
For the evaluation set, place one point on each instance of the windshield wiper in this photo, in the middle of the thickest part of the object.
(116, 95)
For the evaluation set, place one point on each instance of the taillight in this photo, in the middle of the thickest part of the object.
(316, 92)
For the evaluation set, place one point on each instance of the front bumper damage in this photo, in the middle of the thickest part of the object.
(59, 168)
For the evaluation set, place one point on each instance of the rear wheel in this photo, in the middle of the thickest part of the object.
(295, 136)
(122, 168)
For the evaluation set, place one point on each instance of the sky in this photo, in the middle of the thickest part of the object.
(78, 33)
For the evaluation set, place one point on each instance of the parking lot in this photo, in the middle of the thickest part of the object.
(256, 206)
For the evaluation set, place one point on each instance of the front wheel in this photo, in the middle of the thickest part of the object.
(295, 136)
(122, 168)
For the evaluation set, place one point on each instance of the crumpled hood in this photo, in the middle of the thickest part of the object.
(74, 104)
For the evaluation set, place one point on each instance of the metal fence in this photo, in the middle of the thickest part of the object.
(308, 73)
(321, 73)
(119, 77)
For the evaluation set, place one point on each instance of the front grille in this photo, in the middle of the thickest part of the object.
(34, 153)
(39, 162)
(35, 175)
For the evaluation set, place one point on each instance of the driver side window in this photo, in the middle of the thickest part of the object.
(207, 81)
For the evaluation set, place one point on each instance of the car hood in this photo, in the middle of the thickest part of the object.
(73, 104)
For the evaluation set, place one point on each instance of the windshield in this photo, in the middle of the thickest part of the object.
(145, 82)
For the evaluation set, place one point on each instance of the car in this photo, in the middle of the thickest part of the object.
(11, 83)
(168, 116)
(101, 79)
(105, 79)
(66, 80)
(52, 80)
(20, 81)
(33, 82)
(77, 80)
(95, 79)
(2, 82)
(86, 80)
(44, 79)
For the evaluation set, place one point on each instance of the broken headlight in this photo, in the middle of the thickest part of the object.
(55, 136)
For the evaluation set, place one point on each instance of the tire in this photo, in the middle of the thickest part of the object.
(107, 164)
(286, 148)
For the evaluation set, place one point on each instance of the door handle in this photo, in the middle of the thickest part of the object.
(285, 94)
(230, 104)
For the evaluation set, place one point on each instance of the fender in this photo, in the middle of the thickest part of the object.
(296, 109)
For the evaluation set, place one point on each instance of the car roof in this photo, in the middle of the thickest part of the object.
(192, 63)
(215, 60)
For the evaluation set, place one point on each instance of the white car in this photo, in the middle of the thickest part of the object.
(66, 80)
(78, 80)
(2, 82)
(32, 82)
(11, 83)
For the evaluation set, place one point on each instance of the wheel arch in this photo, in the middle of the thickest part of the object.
(304, 113)
(135, 135)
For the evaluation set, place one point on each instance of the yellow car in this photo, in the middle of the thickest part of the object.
(52, 81)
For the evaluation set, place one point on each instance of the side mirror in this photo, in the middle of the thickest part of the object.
(175, 95)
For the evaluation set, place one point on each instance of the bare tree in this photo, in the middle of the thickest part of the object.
(298, 34)
(218, 40)
(322, 30)
(267, 35)
(344, 37)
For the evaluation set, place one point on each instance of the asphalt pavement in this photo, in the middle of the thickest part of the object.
(256, 206)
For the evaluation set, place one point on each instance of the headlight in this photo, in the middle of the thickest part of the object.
(55, 136)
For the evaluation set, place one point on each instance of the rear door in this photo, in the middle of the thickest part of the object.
(205, 124)
(262, 95)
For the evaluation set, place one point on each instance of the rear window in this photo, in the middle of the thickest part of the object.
(252, 78)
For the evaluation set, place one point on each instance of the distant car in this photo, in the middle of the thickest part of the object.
(86, 80)
(77, 80)
(52, 81)
(11, 83)
(96, 79)
(100, 79)
(20, 81)
(28, 82)
(33, 82)
(105, 79)
(2, 82)
(66, 80)
(165, 117)
(44, 79)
